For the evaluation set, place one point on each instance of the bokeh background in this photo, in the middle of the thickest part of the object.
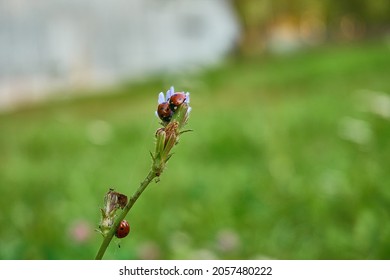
(289, 155)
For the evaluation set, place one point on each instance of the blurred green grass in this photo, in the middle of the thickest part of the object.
(288, 160)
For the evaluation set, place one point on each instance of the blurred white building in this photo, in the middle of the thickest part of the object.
(51, 44)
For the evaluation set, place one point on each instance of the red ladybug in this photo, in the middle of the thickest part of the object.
(164, 111)
(123, 229)
(176, 100)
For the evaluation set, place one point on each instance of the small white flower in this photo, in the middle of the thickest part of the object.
(161, 98)
(188, 101)
(170, 92)
(165, 98)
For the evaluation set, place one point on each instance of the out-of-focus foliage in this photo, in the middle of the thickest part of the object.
(305, 19)
(288, 159)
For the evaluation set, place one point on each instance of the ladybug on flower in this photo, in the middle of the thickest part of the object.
(168, 104)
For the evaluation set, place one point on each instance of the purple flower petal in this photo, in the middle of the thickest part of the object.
(170, 92)
(161, 98)
(187, 97)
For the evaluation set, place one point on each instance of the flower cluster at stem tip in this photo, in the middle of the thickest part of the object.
(173, 110)
(169, 104)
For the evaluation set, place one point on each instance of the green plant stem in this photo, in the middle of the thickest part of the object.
(122, 215)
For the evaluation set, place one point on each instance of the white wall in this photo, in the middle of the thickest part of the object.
(49, 44)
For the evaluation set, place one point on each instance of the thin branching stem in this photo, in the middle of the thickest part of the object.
(166, 138)
(122, 215)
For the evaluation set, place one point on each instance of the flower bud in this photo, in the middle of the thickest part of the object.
(112, 201)
(160, 142)
(168, 135)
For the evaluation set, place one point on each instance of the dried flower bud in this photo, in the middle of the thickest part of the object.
(112, 201)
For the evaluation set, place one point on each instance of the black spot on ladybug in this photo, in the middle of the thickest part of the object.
(123, 229)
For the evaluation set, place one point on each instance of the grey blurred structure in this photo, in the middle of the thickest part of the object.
(47, 45)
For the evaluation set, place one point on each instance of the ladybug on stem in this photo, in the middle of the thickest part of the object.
(164, 111)
(176, 100)
(123, 229)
